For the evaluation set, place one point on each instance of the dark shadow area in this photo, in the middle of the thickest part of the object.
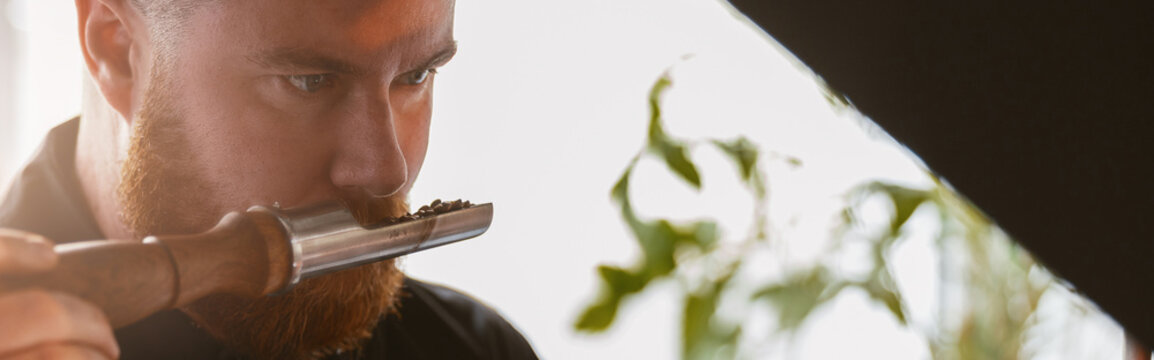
(1040, 115)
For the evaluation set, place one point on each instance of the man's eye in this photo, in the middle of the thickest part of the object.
(418, 77)
(310, 83)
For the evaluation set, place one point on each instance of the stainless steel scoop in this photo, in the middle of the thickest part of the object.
(326, 237)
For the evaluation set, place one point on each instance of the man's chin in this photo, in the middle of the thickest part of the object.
(320, 316)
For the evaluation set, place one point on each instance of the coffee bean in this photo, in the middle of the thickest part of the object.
(435, 208)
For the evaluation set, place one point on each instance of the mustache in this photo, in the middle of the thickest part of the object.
(370, 210)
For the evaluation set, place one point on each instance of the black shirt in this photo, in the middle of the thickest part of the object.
(433, 322)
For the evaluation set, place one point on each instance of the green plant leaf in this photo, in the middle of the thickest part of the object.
(617, 285)
(677, 160)
(758, 185)
(656, 130)
(905, 200)
(620, 192)
(701, 336)
(621, 281)
(672, 151)
(705, 235)
(658, 244)
(798, 296)
(795, 162)
(599, 316)
(699, 309)
(880, 287)
(743, 153)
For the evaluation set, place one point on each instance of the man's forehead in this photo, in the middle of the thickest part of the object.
(406, 17)
(363, 26)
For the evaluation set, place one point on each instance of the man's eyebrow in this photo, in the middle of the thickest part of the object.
(299, 57)
(441, 57)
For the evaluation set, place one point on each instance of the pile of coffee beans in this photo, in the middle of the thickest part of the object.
(436, 208)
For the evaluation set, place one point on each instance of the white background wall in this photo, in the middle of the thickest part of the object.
(540, 112)
(46, 66)
(7, 83)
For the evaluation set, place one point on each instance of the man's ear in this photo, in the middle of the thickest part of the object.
(108, 43)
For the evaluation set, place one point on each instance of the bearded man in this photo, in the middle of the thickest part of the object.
(195, 108)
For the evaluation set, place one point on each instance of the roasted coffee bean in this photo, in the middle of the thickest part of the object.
(437, 207)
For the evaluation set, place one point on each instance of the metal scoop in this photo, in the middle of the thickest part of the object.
(327, 238)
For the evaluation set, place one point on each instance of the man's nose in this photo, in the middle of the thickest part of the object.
(369, 156)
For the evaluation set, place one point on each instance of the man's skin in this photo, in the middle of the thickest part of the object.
(283, 101)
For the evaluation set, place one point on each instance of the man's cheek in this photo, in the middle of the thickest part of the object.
(413, 126)
(415, 148)
(252, 174)
(289, 176)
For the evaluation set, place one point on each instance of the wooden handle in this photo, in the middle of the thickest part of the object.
(246, 254)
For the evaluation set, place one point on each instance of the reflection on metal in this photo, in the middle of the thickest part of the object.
(326, 237)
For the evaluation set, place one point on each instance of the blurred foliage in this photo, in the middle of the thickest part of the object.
(1001, 285)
